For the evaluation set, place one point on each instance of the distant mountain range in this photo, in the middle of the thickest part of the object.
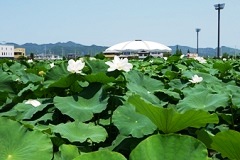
(61, 48)
(206, 51)
(79, 49)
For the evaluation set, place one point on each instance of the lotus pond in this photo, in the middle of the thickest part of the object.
(97, 109)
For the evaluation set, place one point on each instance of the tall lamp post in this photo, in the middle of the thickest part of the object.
(197, 30)
(219, 7)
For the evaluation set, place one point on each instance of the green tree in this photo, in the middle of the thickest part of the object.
(32, 56)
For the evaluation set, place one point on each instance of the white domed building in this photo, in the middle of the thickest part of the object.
(137, 49)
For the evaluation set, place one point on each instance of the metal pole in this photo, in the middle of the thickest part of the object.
(197, 42)
(218, 49)
(197, 30)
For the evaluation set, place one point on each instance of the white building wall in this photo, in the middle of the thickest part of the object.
(6, 51)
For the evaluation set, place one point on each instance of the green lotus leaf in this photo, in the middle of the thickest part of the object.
(207, 78)
(81, 132)
(17, 143)
(171, 74)
(101, 155)
(79, 108)
(17, 69)
(63, 82)
(97, 66)
(129, 122)
(30, 87)
(141, 80)
(30, 78)
(57, 72)
(60, 77)
(168, 120)
(5, 82)
(170, 147)
(234, 92)
(99, 77)
(177, 83)
(222, 66)
(203, 101)
(27, 111)
(68, 151)
(144, 85)
(227, 143)
(205, 136)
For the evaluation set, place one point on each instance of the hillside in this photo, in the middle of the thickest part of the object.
(61, 48)
(211, 52)
(79, 49)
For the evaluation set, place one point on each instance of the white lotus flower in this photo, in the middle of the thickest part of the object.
(52, 65)
(165, 58)
(200, 59)
(119, 64)
(182, 56)
(196, 79)
(224, 59)
(75, 66)
(33, 102)
(30, 61)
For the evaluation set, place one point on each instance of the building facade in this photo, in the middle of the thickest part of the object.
(19, 52)
(7, 51)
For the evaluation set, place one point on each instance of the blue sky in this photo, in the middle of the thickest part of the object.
(107, 22)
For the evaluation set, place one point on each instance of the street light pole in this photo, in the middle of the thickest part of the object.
(197, 30)
(219, 7)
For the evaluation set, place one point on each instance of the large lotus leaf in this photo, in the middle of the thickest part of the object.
(3, 98)
(60, 77)
(97, 65)
(222, 66)
(177, 83)
(196, 89)
(234, 92)
(168, 120)
(68, 152)
(80, 132)
(203, 101)
(80, 108)
(170, 93)
(144, 85)
(27, 111)
(16, 143)
(99, 77)
(129, 122)
(5, 82)
(17, 68)
(227, 143)
(57, 72)
(63, 81)
(205, 136)
(30, 87)
(207, 78)
(101, 155)
(170, 147)
(30, 78)
(144, 81)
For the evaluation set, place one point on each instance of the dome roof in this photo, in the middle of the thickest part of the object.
(138, 46)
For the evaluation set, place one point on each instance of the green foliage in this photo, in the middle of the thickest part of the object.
(100, 155)
(80, 132)
(19, 144)
(168, 120)
(152, 111)
(227, 143)
(170, 147)
(129, 122)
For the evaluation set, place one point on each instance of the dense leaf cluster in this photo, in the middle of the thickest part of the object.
(151, 112)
